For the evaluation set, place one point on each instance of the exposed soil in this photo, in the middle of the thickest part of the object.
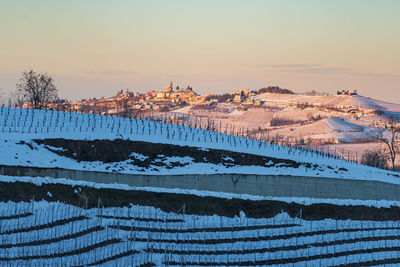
(53, 240)
(301, 259)
(43, 226)
(228, 240)
(273, 249)
(141, 219)
(65, 254)
(153, 154)
(170, 202)
(27, 214)
(117, 256)
(202, 229)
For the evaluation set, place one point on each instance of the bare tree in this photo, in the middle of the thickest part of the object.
(389, 136)
(37, 88)
(1, 97)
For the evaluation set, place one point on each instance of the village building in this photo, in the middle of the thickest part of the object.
(347, 92)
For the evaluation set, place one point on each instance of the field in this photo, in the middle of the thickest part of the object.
(43, 233)
(297, 118)
(52, 222)
(26, 135)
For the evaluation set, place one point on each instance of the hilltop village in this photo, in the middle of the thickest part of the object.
(132, 104)
(186, 101)
(127, 103)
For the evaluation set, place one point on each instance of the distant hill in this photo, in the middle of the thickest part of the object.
(336, 100)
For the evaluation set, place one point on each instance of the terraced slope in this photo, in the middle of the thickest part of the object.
(43, 233)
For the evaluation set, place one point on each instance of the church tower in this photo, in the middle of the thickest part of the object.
(171, 85)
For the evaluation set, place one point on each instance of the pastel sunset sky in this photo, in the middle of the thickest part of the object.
(95, 47)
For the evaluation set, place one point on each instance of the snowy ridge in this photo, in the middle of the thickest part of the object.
(19, 127)
(335, 100)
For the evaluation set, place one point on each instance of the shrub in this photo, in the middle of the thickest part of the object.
(283, 121)
(375, 158)
(275, 90)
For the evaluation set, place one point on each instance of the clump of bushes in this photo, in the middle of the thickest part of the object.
(375, 158)
(283, 121)
(275, 90)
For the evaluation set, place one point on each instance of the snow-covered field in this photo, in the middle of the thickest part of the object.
(19, 127)
(56, 234)
(334, 100)
(325, 129)
(358, 148)
(40, 233)
(298, 122)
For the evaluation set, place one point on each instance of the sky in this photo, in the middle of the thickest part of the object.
(95, 47)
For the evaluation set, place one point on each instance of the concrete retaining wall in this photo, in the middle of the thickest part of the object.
(264, 185)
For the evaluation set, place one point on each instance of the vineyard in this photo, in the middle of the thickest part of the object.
(53, 124)
(67, 226)
(20, 130)
(44, 233)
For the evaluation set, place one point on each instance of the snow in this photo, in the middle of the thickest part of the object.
(226, 158)
(182, 160)
(328, 129)
(335, 100)
(300, 200)
(161, 241)
(19, 127)
(138, 156)
(59, 149)
(37, 240)
(343, 126)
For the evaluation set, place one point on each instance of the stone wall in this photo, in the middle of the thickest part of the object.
(264, 185)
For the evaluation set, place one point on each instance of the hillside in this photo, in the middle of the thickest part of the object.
(335, 100)
(150, 228)
(113, 144)
(335, 129)
(55, 221)
(315, 119)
